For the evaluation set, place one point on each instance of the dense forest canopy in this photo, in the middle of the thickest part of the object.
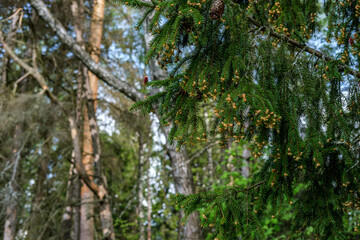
(173, 119)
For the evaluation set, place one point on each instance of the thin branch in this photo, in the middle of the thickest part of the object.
(106, 76)
(19, 80)
(304, 47)
(251, 187)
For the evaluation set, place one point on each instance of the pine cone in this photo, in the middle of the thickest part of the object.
(217, 9)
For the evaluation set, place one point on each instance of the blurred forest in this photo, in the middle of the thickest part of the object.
(75, 162)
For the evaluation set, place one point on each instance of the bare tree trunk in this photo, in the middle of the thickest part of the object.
(6, 58)
(68, 213)
(11, 208)
(87, 196)
(76, 200)
(184, 184)
(245, 170)
(35, 223)
(140, 188)
(96, 27)
(183, 178)
(72, 213)
(12, 202)
(149, 209)
(210, 165)
(105, 211)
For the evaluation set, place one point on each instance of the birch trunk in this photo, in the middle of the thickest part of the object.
(183, 179)
(140, 188)
(149, 208)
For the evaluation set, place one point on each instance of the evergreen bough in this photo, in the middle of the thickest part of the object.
(301, 107)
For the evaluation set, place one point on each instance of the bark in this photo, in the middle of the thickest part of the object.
(183, 179)
(245, 169)
(87, 196)
(6, 57)
(140, 188)
(210, 166)
(76, 209)
(105, 211)
(149, 205)
(12, 204)
(68, 213)
(73, 188)
(11, 208)
(36, 218)
(96, 28)
(91, 133)
(184, 184)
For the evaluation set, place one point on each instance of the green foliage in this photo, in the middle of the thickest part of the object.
(302, 110)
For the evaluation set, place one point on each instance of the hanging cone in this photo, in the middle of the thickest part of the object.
(217, 9)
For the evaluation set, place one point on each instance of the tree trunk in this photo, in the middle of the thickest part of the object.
(245, 169)
(140, 188)
(105, 211)
(210, 165)
(184, 184)
(183, 178)
(68, 213)
(12, 202)
(35, 223)
(11, 208)
(6, 58)
(72, 210)
(149, 205)
(87, 196)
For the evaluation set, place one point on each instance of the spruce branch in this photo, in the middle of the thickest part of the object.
(251, 187)
(302, 46)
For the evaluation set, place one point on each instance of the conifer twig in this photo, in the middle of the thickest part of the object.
(251, 187)
(302, 46)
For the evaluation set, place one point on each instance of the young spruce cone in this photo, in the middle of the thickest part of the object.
(217, 9)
